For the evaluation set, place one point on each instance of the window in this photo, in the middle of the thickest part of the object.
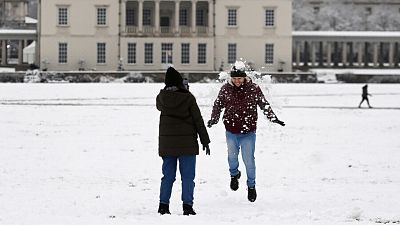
(185, 53)
(231, 53)
(202, 54)
(200, 18)
(131, 53)
(102, 16)
(101, 53)
(183, 17)
(232, 17)
(130, 17)
(148, 53)
(63, 16)
(146, 17)
(62, 52)
(269, 53)
(269, 17)
(166, 53)
(368, 10)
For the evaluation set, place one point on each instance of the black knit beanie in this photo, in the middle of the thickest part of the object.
(173, 78)
(237, 73)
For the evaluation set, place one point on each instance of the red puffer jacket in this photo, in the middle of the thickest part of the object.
(240, 105)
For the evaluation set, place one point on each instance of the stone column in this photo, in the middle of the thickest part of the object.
(321, 54)
(298, 46)
(194, 3)
(391, 54)
(4, 52)
(344, 54)
(20, 51)
(351, 54)
(328, 54)
(140, 16)
(123, 17)
(177, 17)
(157, 17)
(376, 49)
(336, 54)
(366, 54)
(396, 54)
(306, 53)
(381, 58)
(360, 54)
(313, 53)
(210, 17)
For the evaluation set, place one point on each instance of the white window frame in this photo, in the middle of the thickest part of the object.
(232, 52)
(148, 53)
(131, 53)
(232, 22)
(183, 17)
(101, 53)
(200, 17)
(269, 17)
(185, 53)
(167, 53)
(147, 17)
(99, 19)
(62, 53)
(269, 53)
(63, 22)
(201, 53)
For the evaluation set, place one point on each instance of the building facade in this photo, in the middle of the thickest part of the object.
(346, 49)
(368, 6)
(143, 35)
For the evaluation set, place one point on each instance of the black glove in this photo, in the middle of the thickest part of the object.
(207, 149)
(276, 120)
(210, 123)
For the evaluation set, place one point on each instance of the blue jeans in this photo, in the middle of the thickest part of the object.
(187, 167)
(246, 143)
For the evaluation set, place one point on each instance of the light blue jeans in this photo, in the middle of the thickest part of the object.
(246, 143)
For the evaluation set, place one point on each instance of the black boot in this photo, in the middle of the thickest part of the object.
(188, 210)
(235, 182)
(163, 209)
(251, 194)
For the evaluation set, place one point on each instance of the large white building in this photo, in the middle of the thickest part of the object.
(143, 35)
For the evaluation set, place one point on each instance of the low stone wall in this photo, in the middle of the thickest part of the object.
(368, 78)
(12, 77)
(144, 76)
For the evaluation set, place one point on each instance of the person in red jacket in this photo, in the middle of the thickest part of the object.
(240, 98)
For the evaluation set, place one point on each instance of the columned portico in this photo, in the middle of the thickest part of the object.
(12, 43)
(346, 49)
(168, 18)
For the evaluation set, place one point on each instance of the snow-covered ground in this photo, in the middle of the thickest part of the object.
(78, 154)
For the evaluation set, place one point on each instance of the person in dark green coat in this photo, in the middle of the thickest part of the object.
(180, 125)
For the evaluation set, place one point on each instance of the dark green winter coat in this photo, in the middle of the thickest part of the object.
(180, 124)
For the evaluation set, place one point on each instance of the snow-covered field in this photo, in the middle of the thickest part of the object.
(79, 154)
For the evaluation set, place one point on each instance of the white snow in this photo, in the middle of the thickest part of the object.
(87, 154)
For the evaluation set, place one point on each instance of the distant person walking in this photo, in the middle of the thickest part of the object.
(365, 96)
(180, 124)
(240, 97)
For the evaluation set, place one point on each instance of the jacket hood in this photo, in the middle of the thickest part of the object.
(172, 99)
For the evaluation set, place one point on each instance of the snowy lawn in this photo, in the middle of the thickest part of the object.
(79, 154)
